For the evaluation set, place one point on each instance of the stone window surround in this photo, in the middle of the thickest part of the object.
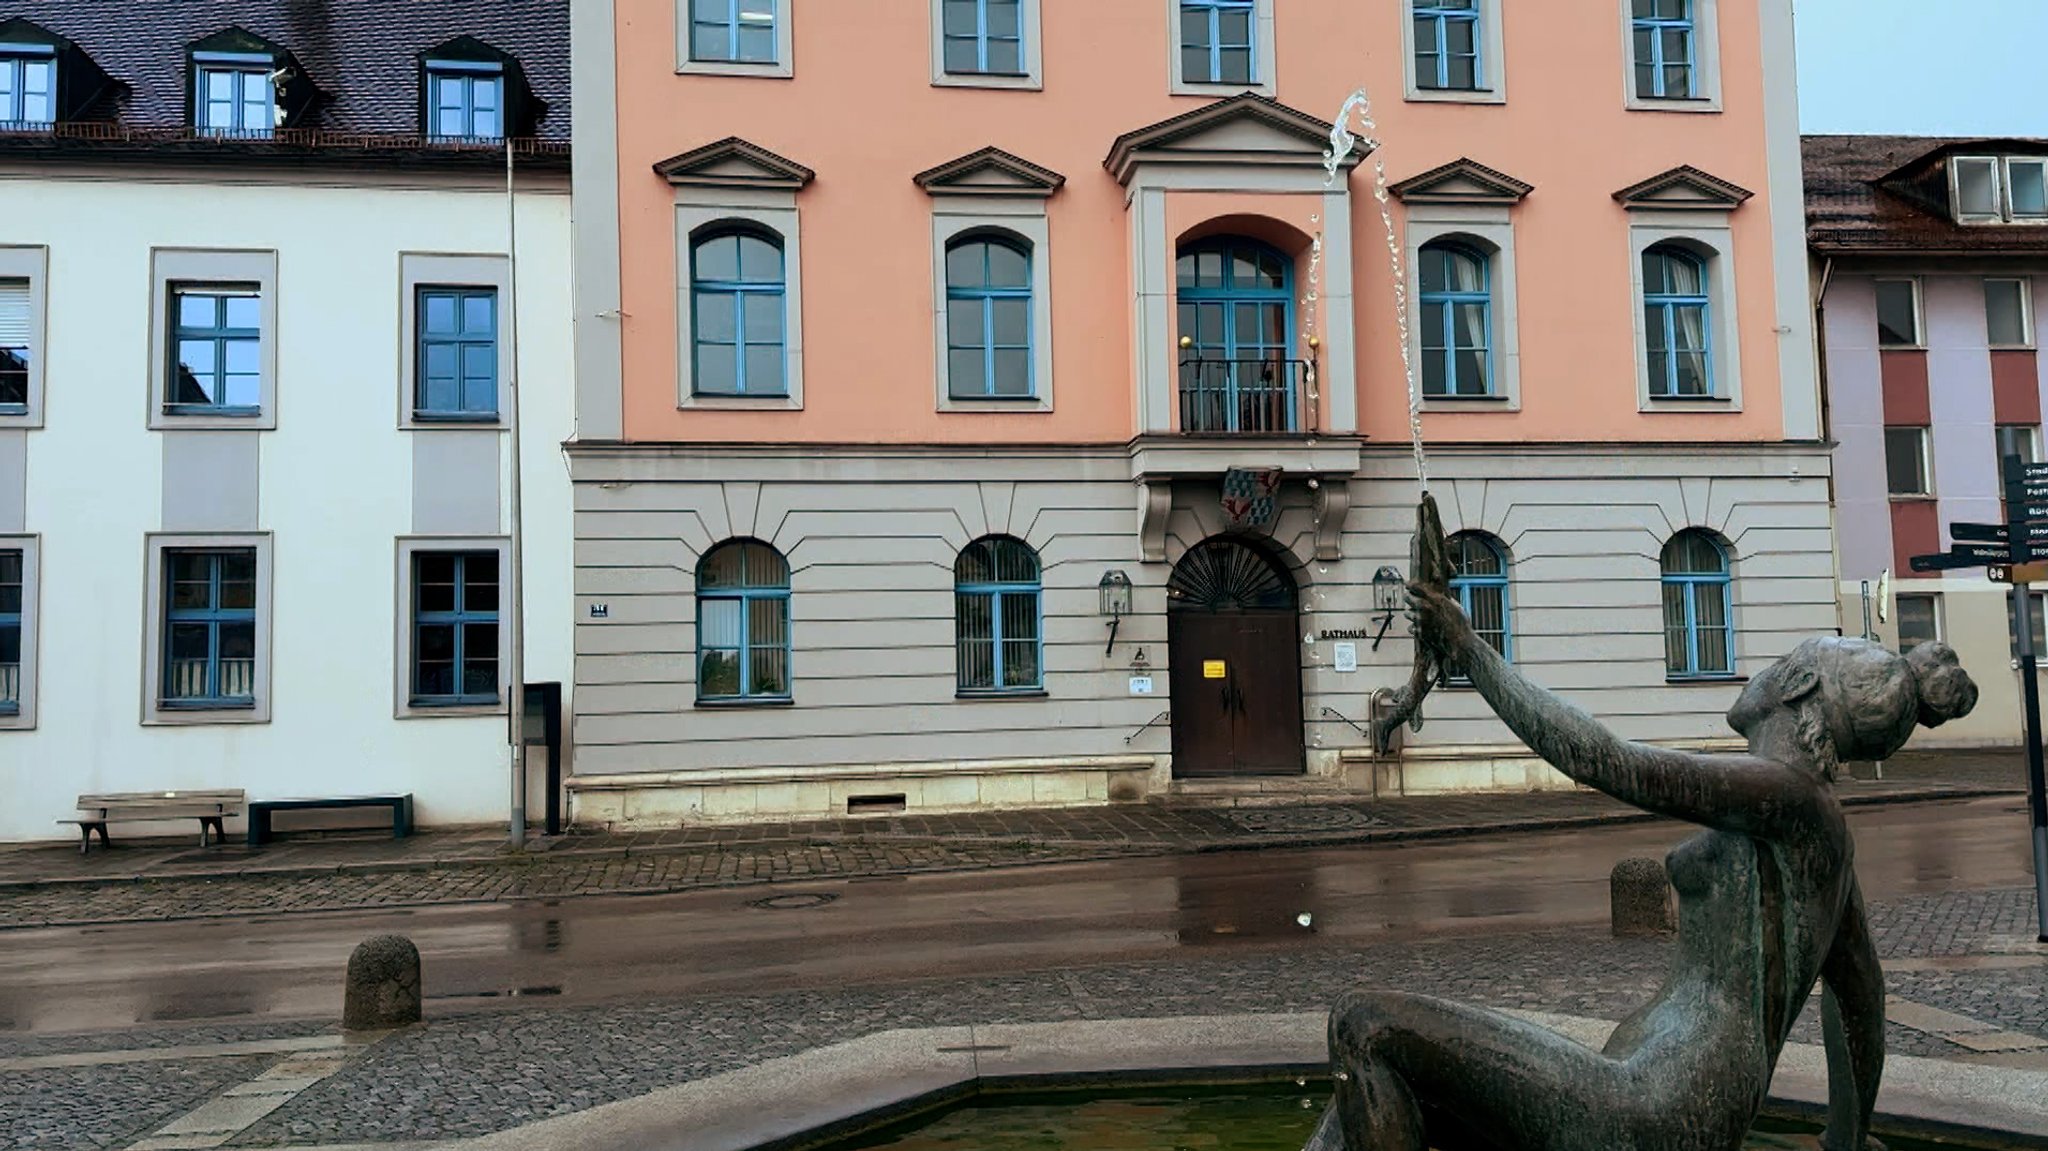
(1033, 78)
(776, 211)
(1264, 59)
(783, 67)
(1023, 217)
(31, 264)
(408, 547)
(170, 266)
(1709, 235)
(1491, 228)
(30, 547)
(1492, 60)
(154, 714)
(418, 270)
(1919, 341)
(1706, 62)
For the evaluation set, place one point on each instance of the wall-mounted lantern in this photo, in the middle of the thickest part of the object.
(1115, 590)
(1389, 594)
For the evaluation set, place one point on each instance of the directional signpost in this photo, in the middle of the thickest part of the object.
(2015, 552)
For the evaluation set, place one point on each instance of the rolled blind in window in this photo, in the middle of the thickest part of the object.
(14, 314)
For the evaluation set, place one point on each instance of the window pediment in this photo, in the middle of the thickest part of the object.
(1684, 188)
(1462, 181)
(1247, 129)
(734, 163)
(990, 172)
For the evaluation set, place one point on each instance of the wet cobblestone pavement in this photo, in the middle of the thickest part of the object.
(467, 1074)
(49, 886)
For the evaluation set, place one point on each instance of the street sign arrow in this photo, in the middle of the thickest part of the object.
(1979, 533)
(2016, 469)
(1951, 561)
(2025, 511)
(1982, 553)
(2034, 490)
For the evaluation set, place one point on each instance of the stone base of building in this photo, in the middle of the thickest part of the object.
(760, 795)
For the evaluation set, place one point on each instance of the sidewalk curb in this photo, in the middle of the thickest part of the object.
(1107, 850)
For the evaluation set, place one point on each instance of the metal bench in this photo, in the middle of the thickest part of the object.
(260, 812)
(210, 808)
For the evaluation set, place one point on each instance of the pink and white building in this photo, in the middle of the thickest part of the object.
(935, 358)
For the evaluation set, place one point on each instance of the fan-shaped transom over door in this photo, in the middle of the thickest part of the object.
(1233, 631)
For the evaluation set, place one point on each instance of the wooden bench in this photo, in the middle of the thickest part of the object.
(260, 812)
(210, 808)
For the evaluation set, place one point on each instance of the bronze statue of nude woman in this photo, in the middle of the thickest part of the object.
(1768, 905)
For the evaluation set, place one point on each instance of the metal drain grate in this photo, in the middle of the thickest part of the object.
(795, 901)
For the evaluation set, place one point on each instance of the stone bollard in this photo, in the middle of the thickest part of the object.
(1640, 894)
(383, 985)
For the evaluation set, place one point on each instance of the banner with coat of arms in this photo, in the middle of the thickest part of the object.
(1251, 498)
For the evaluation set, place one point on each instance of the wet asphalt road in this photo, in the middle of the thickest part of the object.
(842, 933)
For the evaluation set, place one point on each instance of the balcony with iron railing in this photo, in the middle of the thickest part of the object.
(1244, 397)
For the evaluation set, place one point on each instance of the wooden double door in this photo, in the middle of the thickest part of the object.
(1234, 660)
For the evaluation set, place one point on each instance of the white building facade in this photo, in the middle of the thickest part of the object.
(256, 504)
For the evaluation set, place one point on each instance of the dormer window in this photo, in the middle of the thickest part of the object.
(28, 86)
(235, 94)
(1999, 189)
(466, 100)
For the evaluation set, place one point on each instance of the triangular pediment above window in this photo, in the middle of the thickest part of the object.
(734, 163)
(1245, 130)
(990, 172)
(1684, 187)
(1462, 181)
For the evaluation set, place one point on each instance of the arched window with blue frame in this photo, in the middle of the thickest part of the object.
(983, 37)
(1699, 638)
(988, 318)
(1479, 580)
(1447, 45)
(1235, 307)
(998, 615)
(1216, 40)
(743, 650)
(738, 313)
(1676, 328)
(1457, 320)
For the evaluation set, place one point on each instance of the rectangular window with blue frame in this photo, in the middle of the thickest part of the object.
(1664, 35)
(216, 353)
(1216, 41)
(233, 95)
(457, 361)
(984, 37)
(455, 600)
(28, 86)
(1447, 45)
(209, 658)
(466, 100)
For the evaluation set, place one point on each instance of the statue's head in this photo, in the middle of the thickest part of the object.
(1853, 699)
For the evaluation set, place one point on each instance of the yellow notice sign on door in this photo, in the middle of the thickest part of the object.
(1215, 669)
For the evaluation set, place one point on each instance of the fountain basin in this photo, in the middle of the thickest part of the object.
(877, 1084)
(1277, 1115)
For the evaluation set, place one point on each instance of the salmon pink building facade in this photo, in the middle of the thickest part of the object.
(995, 402)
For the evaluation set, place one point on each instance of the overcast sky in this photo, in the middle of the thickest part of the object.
(1924, 67)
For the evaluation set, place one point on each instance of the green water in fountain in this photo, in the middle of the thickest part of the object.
(1166, 1119)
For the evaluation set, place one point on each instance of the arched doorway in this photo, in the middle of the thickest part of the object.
(1233, 629)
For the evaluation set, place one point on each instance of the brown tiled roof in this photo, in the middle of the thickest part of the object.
(1884, 194)
(363, 55)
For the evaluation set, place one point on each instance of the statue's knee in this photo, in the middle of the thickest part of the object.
(1360, 1019)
